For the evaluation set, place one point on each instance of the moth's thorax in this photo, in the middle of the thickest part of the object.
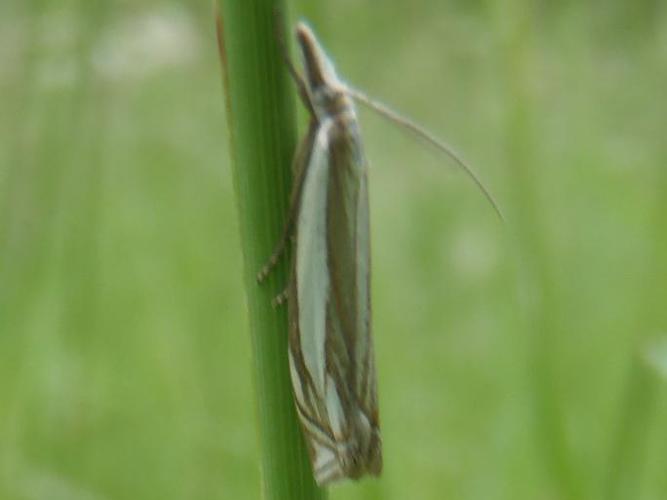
(333, 103)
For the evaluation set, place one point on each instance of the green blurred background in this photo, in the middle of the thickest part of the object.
(524, 360)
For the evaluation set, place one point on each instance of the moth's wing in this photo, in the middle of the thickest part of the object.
(349, 256)
(330, 348)
(309, 292)
(311, 266)
(352, 402)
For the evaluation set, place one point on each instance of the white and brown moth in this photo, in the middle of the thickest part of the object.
(330, 345)
(331, 356)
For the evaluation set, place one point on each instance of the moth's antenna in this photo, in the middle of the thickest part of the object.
(420, 132)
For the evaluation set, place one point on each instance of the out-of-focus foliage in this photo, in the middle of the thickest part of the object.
(522, 360)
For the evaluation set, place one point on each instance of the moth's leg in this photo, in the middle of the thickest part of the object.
(281, 298)
(275, 256)
(300, 165)
(301, 157)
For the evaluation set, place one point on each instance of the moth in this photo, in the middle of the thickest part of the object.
(331, 355)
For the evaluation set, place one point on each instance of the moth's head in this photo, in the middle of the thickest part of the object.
(326, 90)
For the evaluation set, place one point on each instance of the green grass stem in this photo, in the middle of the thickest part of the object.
(262, 124)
